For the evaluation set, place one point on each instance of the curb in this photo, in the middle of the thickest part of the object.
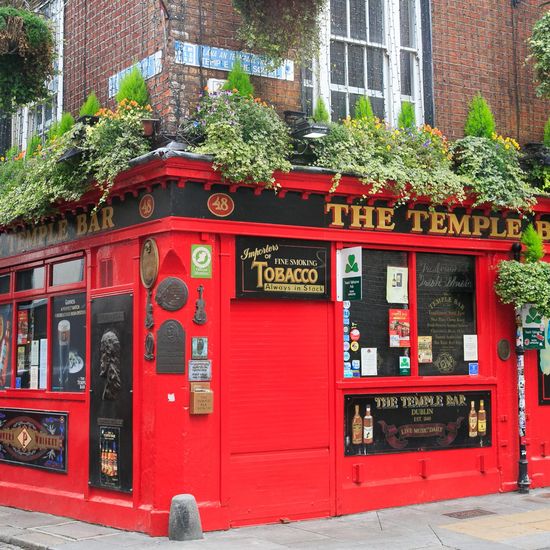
(9, 539)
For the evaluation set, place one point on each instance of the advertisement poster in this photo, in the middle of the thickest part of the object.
(369, 362)
(22, 327)
(69, 343)
(34, 438)
(400, 328)
(404, 422)
(109, 445)
(397, 285)
(5, 345)
(425, 354)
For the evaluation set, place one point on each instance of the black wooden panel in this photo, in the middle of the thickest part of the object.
(111, 393)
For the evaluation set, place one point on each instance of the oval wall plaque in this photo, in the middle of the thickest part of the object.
(171, 294)
(503, 349)
(149, 263)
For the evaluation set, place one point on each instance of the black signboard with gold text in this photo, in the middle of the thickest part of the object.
(282, 268)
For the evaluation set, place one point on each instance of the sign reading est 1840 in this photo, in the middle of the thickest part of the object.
(282, 268)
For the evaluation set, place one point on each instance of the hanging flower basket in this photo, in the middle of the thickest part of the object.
(281, 28)
(26, 57)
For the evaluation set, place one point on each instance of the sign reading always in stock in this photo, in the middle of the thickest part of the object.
(222, 59)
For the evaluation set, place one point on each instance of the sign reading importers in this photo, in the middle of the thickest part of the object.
(282, 268)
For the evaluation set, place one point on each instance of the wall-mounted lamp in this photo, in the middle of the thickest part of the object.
(301, 128)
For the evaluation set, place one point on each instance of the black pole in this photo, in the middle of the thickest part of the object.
(523, 477)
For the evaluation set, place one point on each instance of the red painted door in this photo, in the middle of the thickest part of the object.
(278, 425)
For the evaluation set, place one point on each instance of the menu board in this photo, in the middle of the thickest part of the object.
(446, 310)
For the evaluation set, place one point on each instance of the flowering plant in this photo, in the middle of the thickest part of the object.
(247, 139)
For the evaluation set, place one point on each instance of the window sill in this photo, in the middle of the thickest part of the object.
(443, 383)
(42, 395)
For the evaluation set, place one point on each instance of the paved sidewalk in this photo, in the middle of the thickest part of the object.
(501, 521)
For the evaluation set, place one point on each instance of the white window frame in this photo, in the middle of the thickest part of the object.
(393, 97)
(23, 127)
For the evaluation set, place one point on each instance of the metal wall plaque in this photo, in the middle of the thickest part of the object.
(149, 263)
(171, 348)
(200, 370)
(503, 349)
(171, 294)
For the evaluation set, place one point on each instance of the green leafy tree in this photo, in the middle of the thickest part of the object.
(320, 113)
(133, 88)
(534, 248)
(238, 80)
(480, 121)
(546, 138)
(363, 109)
(61, 127)
(91, 106)
(407, 117)
(539, 45)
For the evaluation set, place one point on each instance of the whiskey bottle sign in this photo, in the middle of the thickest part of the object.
(109, 448)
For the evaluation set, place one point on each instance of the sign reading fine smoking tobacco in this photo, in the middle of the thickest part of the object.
(388, 423)
(277, 268)
(34, 438)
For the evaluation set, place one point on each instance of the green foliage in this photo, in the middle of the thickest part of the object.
(480, 121)
(524, 283)
(281, 29)
(238, 80)
(320, 113)
(363, 109)
(245, 136)
(133, 88)
(546, 135)
(33, 146)
(407, 116)
(91, 106)
(492, 167)
(534, 247)
(539, 45)
(409, 163)
(61, 127)
(26, 57)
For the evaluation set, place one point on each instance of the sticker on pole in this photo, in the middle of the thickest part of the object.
(533, 328)
(201, 261)
(349, 273)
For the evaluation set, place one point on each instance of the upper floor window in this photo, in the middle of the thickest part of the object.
(373, 48)
(37, 119)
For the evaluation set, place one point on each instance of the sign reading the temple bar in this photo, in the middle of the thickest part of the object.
(282, 268)
(389, 423)
(34, 438)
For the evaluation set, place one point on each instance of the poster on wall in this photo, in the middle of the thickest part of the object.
(404, 422)
(5, 345)
(109, 445)
(69, 343)
(400, 328)
(282, 268)
(34, 438)
(397, 285)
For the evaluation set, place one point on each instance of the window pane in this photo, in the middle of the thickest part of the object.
(338, 17)
(371, 317)
(338, 105)
(406, 21)
(353, 99)
(378, 107)
(31, 337)
(406, 73)
(356, 66)
(358, 19)
(4, 284)
(376, 21)
(29, 279)
(308, 100)
(337, 63)
(446, 310)
(375, 69)
(69, 342)
(65, 273)
(6, 345)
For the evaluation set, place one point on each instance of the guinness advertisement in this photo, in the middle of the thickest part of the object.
(34, 438)
(282, 268)
(393, 423)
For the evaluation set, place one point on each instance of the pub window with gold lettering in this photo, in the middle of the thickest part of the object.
(416, 317)
(43, 326)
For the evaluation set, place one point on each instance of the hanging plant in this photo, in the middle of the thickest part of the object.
(26, 57)
(539, 44)
(281, 28)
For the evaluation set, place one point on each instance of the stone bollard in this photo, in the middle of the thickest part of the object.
(184, 521)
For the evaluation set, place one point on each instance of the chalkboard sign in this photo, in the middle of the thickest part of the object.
(446, 310)
(370, 316)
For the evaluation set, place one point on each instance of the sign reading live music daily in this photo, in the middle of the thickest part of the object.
(282, 268)
(404, 422)
(34, 438)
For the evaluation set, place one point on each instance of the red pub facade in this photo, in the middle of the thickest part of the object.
(191, 337)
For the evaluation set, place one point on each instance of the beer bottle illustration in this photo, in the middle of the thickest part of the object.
(357, 428)
(472, 421)
(481, 420)
(368, 428)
